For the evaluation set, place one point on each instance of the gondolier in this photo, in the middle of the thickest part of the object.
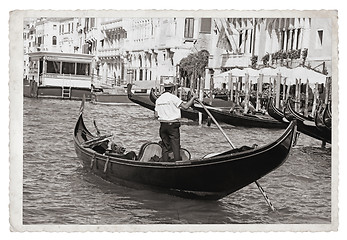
(168, 112)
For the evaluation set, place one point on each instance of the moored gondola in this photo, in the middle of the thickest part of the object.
(240, 119)
(142, 100)
(307, 127)
(320, 123)
(297, 115)
(212, 177)
(327, 116)
(275, 112)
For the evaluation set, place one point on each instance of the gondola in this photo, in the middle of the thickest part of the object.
(299, 116)
(142, 100)
(185, 113)
(307, 127)
(320, 123)
(274, 112)
(215, 102)
(240, 119)
(211, 177)
(327, 117)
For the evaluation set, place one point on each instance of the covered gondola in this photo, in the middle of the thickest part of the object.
(211, 177)
(305, 126)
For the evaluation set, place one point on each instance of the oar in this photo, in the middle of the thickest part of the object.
(233, 147)
(217, 124)
(97, 129)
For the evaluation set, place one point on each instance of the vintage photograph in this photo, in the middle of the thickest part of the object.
(171, 119)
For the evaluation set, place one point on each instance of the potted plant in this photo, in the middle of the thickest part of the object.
(265, 59)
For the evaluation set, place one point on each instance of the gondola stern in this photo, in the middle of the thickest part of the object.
(129, 92)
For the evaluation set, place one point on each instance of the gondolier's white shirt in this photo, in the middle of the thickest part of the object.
(167, 107)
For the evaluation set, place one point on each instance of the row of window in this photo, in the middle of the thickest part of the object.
(68, 68)
(205, 26)
(68, 29)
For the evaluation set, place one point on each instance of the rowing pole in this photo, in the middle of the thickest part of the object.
(233, 147)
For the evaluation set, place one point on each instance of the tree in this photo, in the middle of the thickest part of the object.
(193, 66)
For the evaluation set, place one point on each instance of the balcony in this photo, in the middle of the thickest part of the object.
(235, 60)
(109, 53)
(112, 24)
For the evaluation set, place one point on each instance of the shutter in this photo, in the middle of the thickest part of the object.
(205, 26)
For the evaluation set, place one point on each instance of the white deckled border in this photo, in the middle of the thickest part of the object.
(16, 122)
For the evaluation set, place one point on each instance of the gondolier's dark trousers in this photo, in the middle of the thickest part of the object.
(170, 136)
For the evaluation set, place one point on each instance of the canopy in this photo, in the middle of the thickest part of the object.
(290, 73)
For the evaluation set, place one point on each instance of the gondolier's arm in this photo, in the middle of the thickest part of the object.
(186, 105)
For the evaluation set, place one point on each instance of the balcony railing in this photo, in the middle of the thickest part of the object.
(240, 60)
(108, 52)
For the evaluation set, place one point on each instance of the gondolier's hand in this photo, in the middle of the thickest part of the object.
(156, 115)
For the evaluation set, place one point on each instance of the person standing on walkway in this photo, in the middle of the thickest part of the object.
(168, 112)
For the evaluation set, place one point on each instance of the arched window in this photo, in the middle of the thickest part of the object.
(54, 40)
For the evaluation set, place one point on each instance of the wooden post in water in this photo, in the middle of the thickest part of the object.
(315, 98)
(237, 93)
(296, 95)
(327, 90)
(306, 98)
(201, 86)
(231, 87)
(330, 88)
(211, 89)
(259, 90)
(288, 92)
(284, 92)
(191, 84)
(246, 92)
(277, 89)
(198, 87)
(299, 96)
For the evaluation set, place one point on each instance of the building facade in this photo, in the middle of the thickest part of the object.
(261, 42)
(143, 51)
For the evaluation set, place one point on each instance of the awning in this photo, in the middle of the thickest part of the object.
(291, 74)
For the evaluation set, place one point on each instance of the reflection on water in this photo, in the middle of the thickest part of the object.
(57, 190)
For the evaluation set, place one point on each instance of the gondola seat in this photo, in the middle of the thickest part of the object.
(130, 155)
(152, 152)
(149, 151)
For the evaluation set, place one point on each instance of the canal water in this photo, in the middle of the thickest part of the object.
(58, 190)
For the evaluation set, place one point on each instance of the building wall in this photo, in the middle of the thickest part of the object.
(146, 49)
(320, 43)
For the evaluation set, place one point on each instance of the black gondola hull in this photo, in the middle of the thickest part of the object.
(208, 178)
(274, 112)
(305, 126)
(244, 120)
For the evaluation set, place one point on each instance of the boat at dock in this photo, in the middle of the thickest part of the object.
(116, 95)
(59, 75)
(275, 112)
(305, 125)
(211, 177)
(241, 119)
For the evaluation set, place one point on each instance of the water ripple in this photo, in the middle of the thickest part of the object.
(57, 190)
